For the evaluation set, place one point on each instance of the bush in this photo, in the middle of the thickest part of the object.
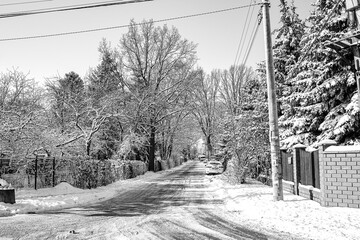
(235, 171)
(95, 173)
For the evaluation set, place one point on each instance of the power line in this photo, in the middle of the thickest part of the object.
(246, 32)
(23, 3)
(124, 26)
(253, 34)
(69, 8)
(242, 35)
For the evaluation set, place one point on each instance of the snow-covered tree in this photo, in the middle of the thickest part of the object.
(321, 101)
(287, 47)
(245, 131)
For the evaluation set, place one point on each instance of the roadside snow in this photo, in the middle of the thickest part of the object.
(63, 196)
(252, 204)
(249, 204)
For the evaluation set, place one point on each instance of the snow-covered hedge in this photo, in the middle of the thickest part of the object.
(91, 174)
(172, 162)
(78, 171)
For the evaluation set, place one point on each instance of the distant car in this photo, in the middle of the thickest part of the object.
(214, 167)
(202, 158)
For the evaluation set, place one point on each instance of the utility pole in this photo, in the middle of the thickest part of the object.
(273, 117)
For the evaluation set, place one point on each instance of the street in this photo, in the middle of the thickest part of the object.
(176, 204)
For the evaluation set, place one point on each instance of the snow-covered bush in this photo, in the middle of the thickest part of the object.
(133, 147)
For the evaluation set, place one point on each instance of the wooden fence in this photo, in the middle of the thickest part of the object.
(301, 166)
(309, 168)
(287, 166)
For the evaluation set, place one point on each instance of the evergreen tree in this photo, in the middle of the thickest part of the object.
(105, 85)
(321, 102)
(106, 78)
(68, 95)
(287, 47)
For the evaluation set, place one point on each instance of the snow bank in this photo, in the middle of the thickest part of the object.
(60, 196)
(65, 195)
(253, 204)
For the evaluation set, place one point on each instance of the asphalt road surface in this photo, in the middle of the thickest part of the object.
(178, 204)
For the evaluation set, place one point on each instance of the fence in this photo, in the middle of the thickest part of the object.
(329, 175)
(4, 164)
(287, 165)
(309, 168)
(40, 172)
(300, 169)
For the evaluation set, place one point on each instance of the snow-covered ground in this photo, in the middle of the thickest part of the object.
(63, 196)
(250, 204)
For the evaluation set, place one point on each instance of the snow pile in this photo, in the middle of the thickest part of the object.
(64, 195)
(62, 188)
(253, 205)
(41, 203)
(65, 187)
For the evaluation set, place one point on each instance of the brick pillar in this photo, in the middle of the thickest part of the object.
(296, 164)
(322, 165)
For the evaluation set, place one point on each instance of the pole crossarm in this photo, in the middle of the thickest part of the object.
(353, 39)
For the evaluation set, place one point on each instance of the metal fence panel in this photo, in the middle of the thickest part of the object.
(287, 166)
(315, 157)
(306, 168)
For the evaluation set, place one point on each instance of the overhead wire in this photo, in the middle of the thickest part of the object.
(23, 3)
(253, 36)
(69, 8)
(124, 26)
(254, 29)
(242, 35)
(246, 33)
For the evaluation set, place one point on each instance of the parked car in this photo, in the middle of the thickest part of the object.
(202, 158)
(214, 167)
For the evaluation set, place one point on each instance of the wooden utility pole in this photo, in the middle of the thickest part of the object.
(273, 117)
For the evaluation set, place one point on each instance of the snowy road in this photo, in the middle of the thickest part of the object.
(178, 204)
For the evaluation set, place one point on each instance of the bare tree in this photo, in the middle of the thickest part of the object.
(232, 87)
(205, 104)
(20, 113)
(157, 62)
(87, 123)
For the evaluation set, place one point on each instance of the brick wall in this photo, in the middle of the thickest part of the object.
(340, 176)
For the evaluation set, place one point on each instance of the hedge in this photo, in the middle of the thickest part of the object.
(80, 172)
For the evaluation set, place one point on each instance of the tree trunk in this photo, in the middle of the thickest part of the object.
(163, 146)
(170, 146)
(88, 147)
(208, 144)
(152, 149)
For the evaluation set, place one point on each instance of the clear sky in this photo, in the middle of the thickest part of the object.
(217, 35)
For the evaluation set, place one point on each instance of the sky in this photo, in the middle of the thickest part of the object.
(217, 35)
